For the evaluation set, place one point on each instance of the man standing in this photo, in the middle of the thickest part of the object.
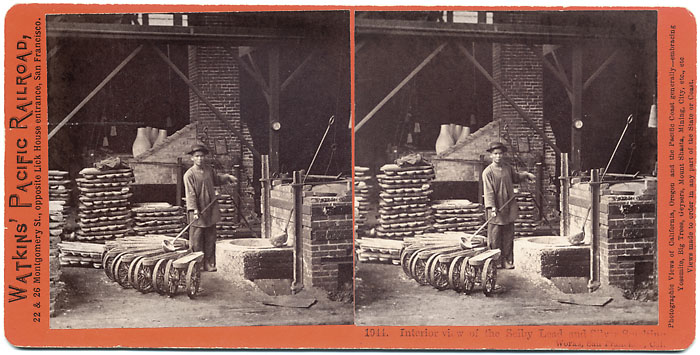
(202, 206)
(499, 178)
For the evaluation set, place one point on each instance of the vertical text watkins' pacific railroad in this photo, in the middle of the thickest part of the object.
(23, 180)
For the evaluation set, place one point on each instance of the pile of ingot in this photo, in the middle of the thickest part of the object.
(363, 196)
(56, 223)
(404, 200)
(59, 186)
(226, 227)
(458, 216)
(526, 223)
(81, 254)
(158, 218)
(103, 211)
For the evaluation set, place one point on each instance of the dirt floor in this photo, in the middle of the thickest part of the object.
(387, 296)
(94, 301)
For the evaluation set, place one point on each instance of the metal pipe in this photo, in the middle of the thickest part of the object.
(297, 185)
(564, 203)
(265, 196)
(594, 278)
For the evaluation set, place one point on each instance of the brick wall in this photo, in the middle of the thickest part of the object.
(326, 235)
(518, 70)
(215, 72)
(628, 236)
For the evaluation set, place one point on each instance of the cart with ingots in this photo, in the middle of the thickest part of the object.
(145, 265)
(448, 264)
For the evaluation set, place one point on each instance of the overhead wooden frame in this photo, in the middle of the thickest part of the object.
(197, 35)
(398, 87)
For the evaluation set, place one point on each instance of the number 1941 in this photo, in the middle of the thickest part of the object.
(375, 332)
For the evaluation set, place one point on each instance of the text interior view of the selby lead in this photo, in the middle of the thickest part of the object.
(505, 167)
(200, 154)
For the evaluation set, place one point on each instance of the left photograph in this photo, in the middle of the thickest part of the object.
(200, 169)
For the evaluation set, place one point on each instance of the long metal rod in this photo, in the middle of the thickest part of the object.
(398, 87)
(97, 89)
(629, 120)
(200, 95)
(503, 93)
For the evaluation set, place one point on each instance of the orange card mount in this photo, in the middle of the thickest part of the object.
(89, 306)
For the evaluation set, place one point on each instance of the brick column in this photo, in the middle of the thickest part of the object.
(519, 71)
(327, 241)
(214, 70)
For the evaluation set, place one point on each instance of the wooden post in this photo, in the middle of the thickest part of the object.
(594, 280)
(576, 106)
(539, 186)
(274, 107)
(297, 185)
(265, 197)
(178, 182)
(564, 200)
(483, 165)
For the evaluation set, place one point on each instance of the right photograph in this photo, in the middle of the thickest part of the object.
(505, 168)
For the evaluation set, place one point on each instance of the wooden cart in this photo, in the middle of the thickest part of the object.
(449, 265)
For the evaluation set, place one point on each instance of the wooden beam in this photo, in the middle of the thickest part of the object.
(501, 32)
(53, 51)
(517, 108)
(359, 45)
(273, 55)
(97, 89)
(405, 81)
(257, 77)
(298, 70)
(559, 74)
(196, 35)
(576, 106)
(220, 116)
(600, 69)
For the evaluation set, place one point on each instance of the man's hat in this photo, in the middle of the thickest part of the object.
(497, 145)
(198, 148)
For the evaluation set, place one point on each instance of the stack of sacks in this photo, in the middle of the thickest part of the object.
(363, 193)
(158, 218)
(526, 223)
(226, 227)
(103, 211)
(458, 215)
(404, 198)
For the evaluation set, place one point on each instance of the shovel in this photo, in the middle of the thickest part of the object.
(465, 242)
(169, 245)
(280, 239)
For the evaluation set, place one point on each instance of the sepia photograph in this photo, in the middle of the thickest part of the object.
(199, 169)
(506, 168)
